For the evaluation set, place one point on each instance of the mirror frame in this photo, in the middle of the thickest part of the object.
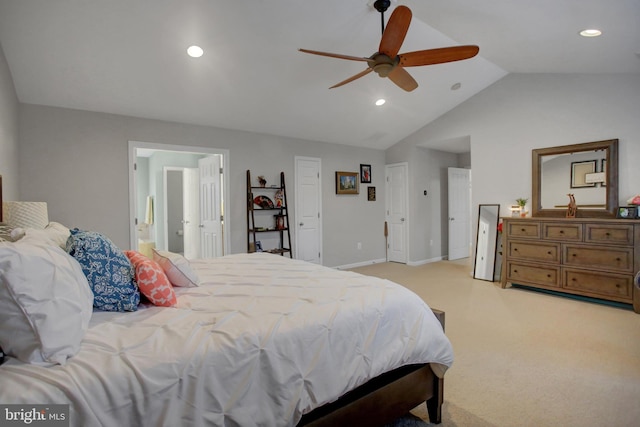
(610, 145)
(494, 244)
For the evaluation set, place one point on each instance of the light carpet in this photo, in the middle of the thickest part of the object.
(524, 358)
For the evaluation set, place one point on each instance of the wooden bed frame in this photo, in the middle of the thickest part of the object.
(384, 398)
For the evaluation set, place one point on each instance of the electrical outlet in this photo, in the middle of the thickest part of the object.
(359, 246)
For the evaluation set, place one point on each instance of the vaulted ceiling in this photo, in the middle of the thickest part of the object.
(129, 57)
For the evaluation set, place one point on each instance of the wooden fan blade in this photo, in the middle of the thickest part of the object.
(352, 78)
(402, 78)
(335, 55)
(438, 56)
(395, 31)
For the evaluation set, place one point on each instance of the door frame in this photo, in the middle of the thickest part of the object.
(135, 145)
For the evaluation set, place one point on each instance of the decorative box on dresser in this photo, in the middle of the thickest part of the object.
(590, 257)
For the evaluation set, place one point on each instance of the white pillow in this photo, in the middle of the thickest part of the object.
(45, 302)
(55, 234)
(177, 269)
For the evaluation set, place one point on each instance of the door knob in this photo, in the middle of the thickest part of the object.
(402, 219)
(301, 224)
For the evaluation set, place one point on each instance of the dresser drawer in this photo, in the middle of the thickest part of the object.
(523, 229)
(534, 251)
(527, 274)
(602, 257)
(609, 285)
(619, 234)
(565, 232)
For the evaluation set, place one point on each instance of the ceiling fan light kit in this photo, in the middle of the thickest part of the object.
(386, 62)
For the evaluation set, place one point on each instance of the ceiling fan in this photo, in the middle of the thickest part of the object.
(386, 62)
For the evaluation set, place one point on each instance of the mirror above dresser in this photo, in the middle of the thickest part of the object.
(589, 171)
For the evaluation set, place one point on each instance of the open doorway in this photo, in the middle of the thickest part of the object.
(169, 209)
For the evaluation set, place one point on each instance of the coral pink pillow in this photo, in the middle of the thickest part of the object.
(152, 280)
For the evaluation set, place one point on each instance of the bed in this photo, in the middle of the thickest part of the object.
(261, 340)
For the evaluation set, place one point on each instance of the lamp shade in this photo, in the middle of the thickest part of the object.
(25, 214)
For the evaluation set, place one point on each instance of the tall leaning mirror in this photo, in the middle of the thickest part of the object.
(486, 242)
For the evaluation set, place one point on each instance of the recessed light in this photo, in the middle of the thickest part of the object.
(380, 102)
(591, 32)
(456, 86)
(195, 51)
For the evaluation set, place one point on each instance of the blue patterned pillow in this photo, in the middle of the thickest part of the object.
(108, 270)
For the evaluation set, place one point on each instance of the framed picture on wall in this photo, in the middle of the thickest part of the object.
(365, 174)
(347, 183)
(579, 171)
(371, 194)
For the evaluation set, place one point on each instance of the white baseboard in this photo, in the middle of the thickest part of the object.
(359, 264)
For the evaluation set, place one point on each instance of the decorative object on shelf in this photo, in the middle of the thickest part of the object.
(522, 203)
(572, 208)
(347, 183)
(262, 181)
(627, 212)
(264, 202)
(371, 194)
(515, 210)
(365, 174)
(279, 196)
(279, 222)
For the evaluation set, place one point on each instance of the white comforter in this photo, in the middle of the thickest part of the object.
(262, 341)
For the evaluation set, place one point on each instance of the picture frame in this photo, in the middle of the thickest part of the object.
(365, 174)
(371, 194)
(347, 183)
(627, 212)
(579, 170)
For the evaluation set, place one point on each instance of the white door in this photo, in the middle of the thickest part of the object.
(210, 207)
(308, 224)
(459, 213)
(191, 213)
(397, 179)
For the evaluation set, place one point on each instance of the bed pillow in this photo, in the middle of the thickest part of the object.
(109, 272)
(177, 269)
(45, 302)
(152, 281)
(54, 233)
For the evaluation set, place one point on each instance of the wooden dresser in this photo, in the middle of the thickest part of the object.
(591, 257)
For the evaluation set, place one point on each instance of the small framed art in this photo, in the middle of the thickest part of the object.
(579, 171)
(365, 174)
(627, 212)
(371, 194)
(347, 183)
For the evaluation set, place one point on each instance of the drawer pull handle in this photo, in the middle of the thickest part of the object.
(574, 255)
(548, 275)
(561, 231)
(548, 252)
(618, 285)
(523, 230)
(607, 234)
(618, 259)
(515, 271)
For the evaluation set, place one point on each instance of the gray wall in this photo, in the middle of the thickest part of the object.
(77, 161)
(8, 132)
(525, 111)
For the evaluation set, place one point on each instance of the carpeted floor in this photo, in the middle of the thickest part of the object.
(524, 358)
